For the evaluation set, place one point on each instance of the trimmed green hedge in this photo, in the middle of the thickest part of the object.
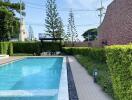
(119, 60)
(35, 47)
(25, 47)
(92, 58)
(6, 48)
(51, 46)
(94, 53)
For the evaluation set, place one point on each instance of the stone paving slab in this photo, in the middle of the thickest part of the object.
(7, 60)
(86, 88)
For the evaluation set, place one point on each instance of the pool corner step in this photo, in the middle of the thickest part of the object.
(29, 93)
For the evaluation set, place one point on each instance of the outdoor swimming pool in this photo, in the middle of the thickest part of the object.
(32, 79)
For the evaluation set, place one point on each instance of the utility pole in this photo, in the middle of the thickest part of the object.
(101, 11)
(100, 15)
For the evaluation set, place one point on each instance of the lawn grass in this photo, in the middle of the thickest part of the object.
(103, 78)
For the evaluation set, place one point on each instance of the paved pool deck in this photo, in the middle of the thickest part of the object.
(7, 60)
(86, 88)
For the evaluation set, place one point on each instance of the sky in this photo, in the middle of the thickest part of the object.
(85, 14)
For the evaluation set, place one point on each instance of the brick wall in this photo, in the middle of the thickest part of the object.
(117, 25)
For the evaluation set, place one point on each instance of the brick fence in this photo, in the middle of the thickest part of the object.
(117, 25)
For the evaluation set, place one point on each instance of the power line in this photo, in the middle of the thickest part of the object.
(79, 25)
(39, 6)
(64, 10)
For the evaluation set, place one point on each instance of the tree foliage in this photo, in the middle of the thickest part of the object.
(54, 25)
(90, 35)
(9, 23)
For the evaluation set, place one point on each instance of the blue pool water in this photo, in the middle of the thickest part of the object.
(31, 74)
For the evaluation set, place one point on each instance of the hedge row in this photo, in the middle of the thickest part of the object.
(94, 53)
(119, 60)
(35, 47)
(6, 48)
(51, 46)
(25, 47)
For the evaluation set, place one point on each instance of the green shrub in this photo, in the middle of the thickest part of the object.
(6, 48)
(10, 49)
(51, 46)
(119, 60)
(26, 47)
(92, 58)
(3, 47)
(94, 53)
(35, 47)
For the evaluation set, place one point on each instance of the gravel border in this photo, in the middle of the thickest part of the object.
(71, 84)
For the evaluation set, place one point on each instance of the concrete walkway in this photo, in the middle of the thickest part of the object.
(86, 89)
(7, 60)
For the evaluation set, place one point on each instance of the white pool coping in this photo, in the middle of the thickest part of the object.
(62, 91)
(63, 88)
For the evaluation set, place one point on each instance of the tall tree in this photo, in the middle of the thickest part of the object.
(9, 23)
(60, 32)
(53, 22)
(71, 30)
